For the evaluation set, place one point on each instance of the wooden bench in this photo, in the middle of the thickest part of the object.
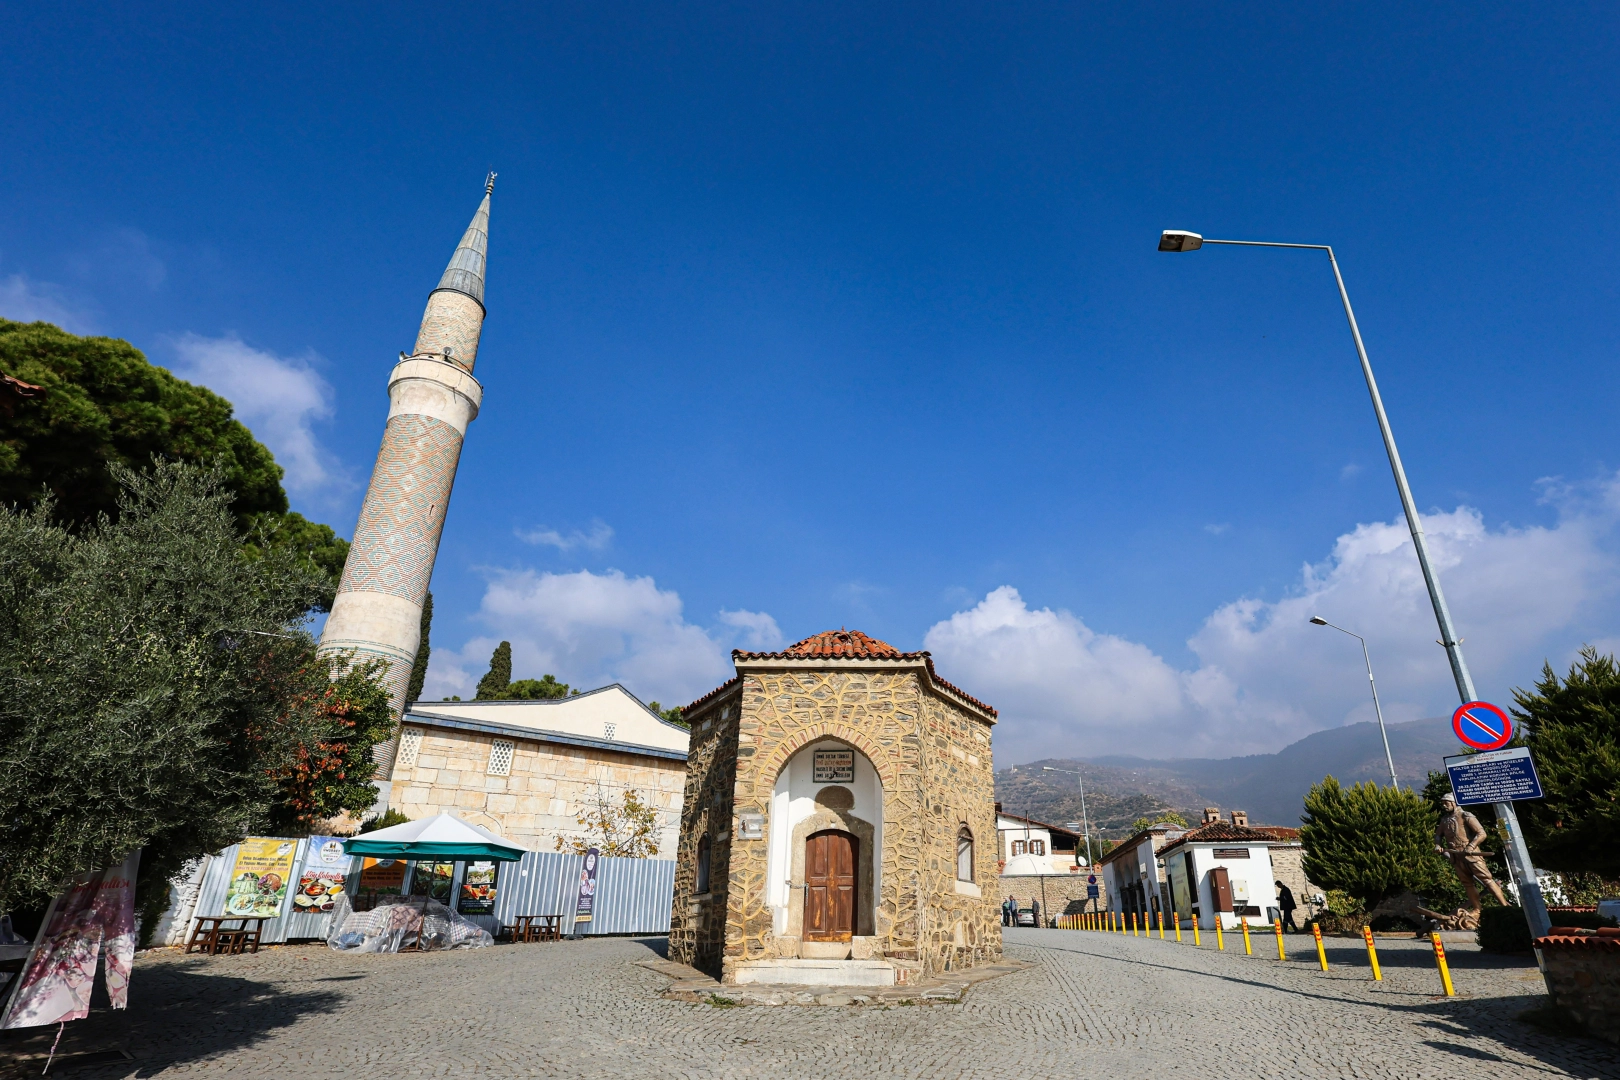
(210, 934)
(536, 928)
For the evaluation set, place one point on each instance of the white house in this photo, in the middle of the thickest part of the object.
(1223, 870)
(1134, 873)
(1040, 848)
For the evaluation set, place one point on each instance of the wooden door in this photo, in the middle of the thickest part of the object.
(829, 895)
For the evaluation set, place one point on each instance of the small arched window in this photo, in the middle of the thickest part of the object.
(964, 855)
(701, 886)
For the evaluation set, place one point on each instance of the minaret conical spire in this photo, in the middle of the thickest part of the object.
(465, 273)
(455, 310)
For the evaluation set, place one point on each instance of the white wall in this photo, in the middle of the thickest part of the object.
(794, 799)
(1255, 871)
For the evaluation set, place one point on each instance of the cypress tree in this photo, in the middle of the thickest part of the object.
(493, 686)
(419, 669)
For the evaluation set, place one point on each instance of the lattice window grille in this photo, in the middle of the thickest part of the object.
(500, 757)
(611, 728)
(410, 743)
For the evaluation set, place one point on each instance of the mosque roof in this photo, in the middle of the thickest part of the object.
(841, 644)
(834, 643)
(465, 274)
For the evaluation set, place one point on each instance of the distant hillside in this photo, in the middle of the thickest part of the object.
(1271, 787)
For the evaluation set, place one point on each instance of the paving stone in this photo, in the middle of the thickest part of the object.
(1108, 1005)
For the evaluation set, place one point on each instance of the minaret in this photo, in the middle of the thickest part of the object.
(432, 398)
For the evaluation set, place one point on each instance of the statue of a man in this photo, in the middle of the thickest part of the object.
(1458, 837)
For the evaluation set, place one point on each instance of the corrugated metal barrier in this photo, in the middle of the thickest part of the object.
(633, 896)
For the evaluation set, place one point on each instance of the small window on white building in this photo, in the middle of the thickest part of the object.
(1019, 847)
(611, 728)
(500, 757)
(1037, 847)
(410, 742)
(964, 855)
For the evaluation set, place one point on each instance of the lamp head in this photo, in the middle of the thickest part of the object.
(1318, 620)
(1180, 240)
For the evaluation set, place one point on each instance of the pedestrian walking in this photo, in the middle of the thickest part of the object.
(1009, 908)
(1285, 900)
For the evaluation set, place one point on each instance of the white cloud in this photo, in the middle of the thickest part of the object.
(592, 629)
(25, 300)
(1350, 472)
(1265, 676)
(1218, 530)
(759, 630)
(279, 398)
(595, 540)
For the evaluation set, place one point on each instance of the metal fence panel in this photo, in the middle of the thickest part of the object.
(633, 896)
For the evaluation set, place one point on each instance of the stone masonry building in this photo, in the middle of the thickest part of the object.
(527, 770)
(838, 824)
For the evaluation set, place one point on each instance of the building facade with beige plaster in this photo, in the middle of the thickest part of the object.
(838, 824)
(527, 770)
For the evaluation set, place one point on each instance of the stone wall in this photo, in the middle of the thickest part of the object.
(697, 930)
(933, 759)
(1288, 863)
(550, 784)
(1065, 894)
(1583, 977)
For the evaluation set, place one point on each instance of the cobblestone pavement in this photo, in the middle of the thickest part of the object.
(1095, 1003)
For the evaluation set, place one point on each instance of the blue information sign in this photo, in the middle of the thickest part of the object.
(1091, 892)
(1494, 776)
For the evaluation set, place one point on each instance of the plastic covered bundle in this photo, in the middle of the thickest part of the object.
(400, 922)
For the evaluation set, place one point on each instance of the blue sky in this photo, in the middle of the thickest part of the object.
(851, 315)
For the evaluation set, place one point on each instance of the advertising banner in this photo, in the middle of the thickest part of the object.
(432, 879)
(96, 912)
(382, 877)
(478, 888)
(587, 890)
(326, 869)
(259, 880)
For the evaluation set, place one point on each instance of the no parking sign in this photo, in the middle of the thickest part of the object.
(1482, 725)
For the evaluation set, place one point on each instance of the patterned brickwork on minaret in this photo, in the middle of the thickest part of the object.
(432, 398)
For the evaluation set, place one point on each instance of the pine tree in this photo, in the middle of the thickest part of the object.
(546, 688)
(1373, 842)
(419, 669)
(1573, 730)
(495, 683)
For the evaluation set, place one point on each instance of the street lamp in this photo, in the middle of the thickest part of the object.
(1518, 855)
(1319, 621)
(1085, 824)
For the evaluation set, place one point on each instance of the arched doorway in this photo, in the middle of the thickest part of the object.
(830, 859)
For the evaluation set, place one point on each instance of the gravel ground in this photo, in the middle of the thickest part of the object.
(1103, 1004)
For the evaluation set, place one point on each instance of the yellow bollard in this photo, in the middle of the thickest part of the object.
(1134, 932)
(1178, 927)
(1276, 924)
(1440, 962)
(1220, 937)
(1372, 953)
(1197, 938)
(1160, 915)
(1248, 946)
(1321, 953)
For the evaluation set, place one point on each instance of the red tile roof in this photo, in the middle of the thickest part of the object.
(843, 644)
(719, 691)
(834, 643)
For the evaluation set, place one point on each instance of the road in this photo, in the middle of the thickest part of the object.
(1095, 1004)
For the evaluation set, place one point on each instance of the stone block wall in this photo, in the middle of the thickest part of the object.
(1583, 977)
(1288, 863)
(697, 929)
(1065, 894)
(550, 784)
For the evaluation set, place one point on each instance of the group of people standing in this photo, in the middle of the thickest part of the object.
(1009, 911)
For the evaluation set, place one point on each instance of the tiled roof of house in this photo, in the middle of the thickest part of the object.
(830, 644)
(1218, 832)
(719, 691)
(842, 644)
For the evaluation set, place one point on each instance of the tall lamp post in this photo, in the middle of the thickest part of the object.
(1518, 855)
(1319, 621)
(1085, 824)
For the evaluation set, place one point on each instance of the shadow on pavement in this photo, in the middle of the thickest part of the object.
(177, 1014)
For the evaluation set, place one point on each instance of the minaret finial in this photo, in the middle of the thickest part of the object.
(489, 185)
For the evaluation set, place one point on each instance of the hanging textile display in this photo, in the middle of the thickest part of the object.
(94, 917)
